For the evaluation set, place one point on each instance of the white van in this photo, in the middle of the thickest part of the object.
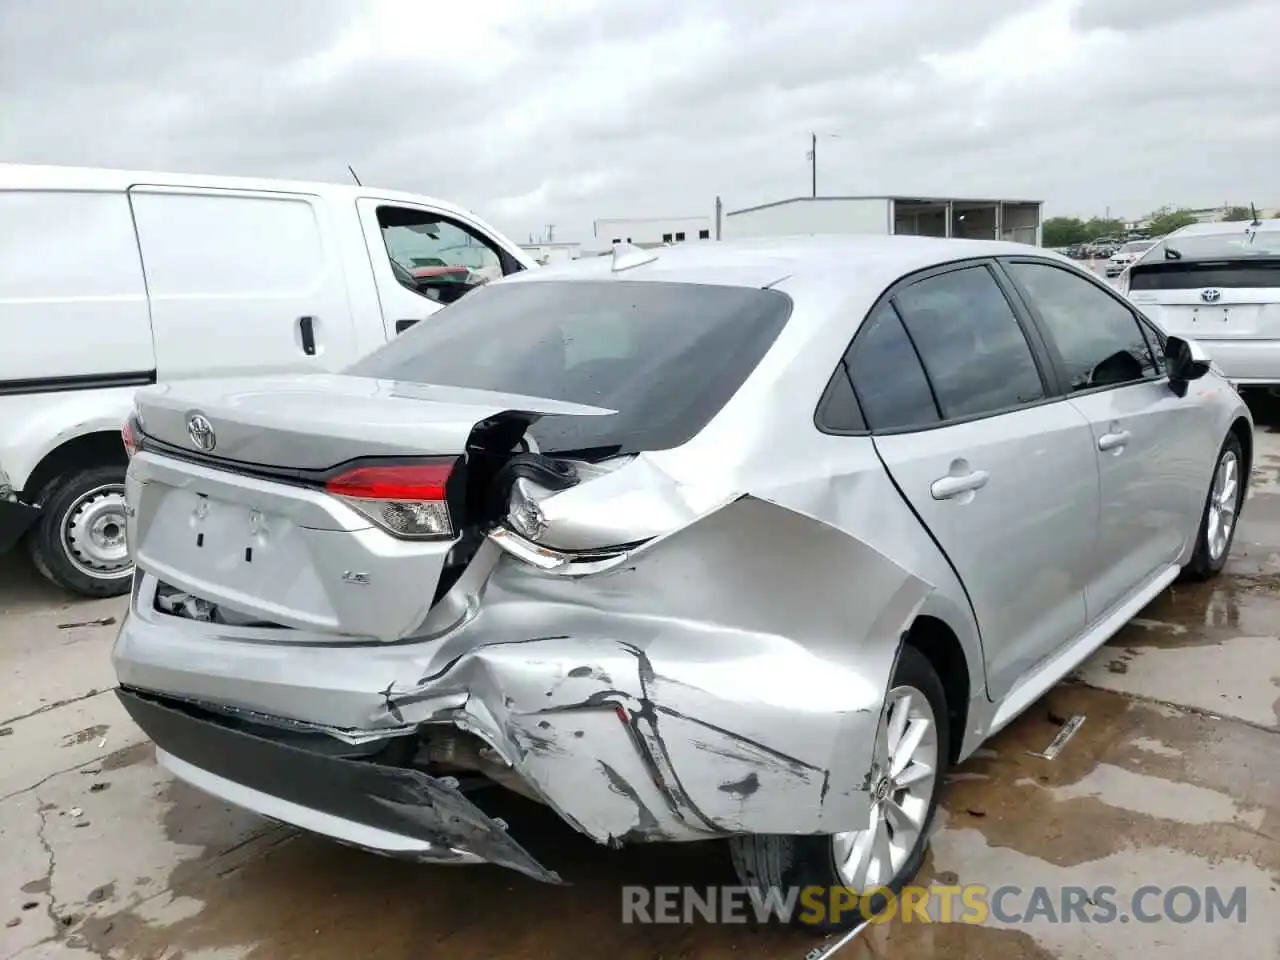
(111, 280)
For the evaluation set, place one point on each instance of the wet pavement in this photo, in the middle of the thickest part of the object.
(1172, 781)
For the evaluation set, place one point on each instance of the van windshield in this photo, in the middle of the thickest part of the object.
(665, 356)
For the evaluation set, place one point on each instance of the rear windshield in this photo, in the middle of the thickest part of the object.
(666, 356)
(1238, 243)
(1236, 274)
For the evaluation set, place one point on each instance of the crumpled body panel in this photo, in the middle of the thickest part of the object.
(727, 678)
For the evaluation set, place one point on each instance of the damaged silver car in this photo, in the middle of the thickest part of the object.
(746, 541)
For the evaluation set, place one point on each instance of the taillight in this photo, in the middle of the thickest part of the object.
(406, 500)
(131, 437)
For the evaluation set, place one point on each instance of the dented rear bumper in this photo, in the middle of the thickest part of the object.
(705, 688)
(388, 809)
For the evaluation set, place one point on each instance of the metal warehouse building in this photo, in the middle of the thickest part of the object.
(1017, 220)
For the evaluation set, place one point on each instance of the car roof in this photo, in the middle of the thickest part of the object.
(872, 261)
(1221, 227)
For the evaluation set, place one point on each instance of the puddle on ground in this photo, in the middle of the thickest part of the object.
(1155, 797)
(1235, 677)
(976, 860)
(1139, 795)
(1205, 794)
(128, 757)
(87, 735)
(1203, 614)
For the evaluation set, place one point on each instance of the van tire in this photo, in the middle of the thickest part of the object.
(95, 496)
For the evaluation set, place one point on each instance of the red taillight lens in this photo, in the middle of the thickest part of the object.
(132, 440)
(406, 500)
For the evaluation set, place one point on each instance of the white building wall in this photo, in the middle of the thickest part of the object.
(806, 215)
(654, 230)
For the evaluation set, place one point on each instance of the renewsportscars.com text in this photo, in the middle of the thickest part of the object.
(972, 903)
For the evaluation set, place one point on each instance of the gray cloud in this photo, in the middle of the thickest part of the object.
(590, 109)
(1138, 15)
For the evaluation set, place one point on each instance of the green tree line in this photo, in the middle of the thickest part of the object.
(1067, 231)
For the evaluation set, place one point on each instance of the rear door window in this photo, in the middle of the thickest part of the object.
(972, 346)
(665, 356)
(1097, 337)
(891, 386)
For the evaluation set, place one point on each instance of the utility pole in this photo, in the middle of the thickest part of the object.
(813, 164)
(551, 232)
(812, 157)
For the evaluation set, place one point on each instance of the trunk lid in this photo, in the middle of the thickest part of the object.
(1211, 300)
(314, 422)
(240, 530)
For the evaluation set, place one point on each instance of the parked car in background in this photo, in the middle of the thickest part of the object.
(1127, 254)
(710, 542)
(1102, 248)
(175, 277)
(1219, 283)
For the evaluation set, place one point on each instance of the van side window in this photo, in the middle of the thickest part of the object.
(436, 258)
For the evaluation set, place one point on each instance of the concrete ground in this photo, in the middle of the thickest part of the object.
(1174, 779)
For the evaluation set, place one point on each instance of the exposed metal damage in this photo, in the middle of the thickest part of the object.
(698, 705)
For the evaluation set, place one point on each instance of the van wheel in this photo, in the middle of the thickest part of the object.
(888, 853)
(79, 540)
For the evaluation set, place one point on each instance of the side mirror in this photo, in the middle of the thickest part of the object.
(1185, 360)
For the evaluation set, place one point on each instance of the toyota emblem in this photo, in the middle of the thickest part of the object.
(1211, 295)
(200, 430)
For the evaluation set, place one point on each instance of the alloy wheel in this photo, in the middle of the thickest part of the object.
(1222, 505)
(903, 785)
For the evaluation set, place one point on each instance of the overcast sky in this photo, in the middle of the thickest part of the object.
(565, 111)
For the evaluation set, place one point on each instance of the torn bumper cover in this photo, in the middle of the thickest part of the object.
(383, 808)
(727, 679)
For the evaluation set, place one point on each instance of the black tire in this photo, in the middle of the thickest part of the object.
(798, 862)
(51, 547)
(1203, 565)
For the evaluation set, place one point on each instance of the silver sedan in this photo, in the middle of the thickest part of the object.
(742, 541)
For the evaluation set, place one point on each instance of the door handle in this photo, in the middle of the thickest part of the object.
(1113, 440)
(306, 326)
(403, 325)
(948, 487)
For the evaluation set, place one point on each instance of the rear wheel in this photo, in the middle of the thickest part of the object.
(885, 855)
(79, 540)
(1221, 510)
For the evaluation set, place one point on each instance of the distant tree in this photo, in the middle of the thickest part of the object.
(1104, 227)
(1237, 213)
(1168, 219)
(1063, 231)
